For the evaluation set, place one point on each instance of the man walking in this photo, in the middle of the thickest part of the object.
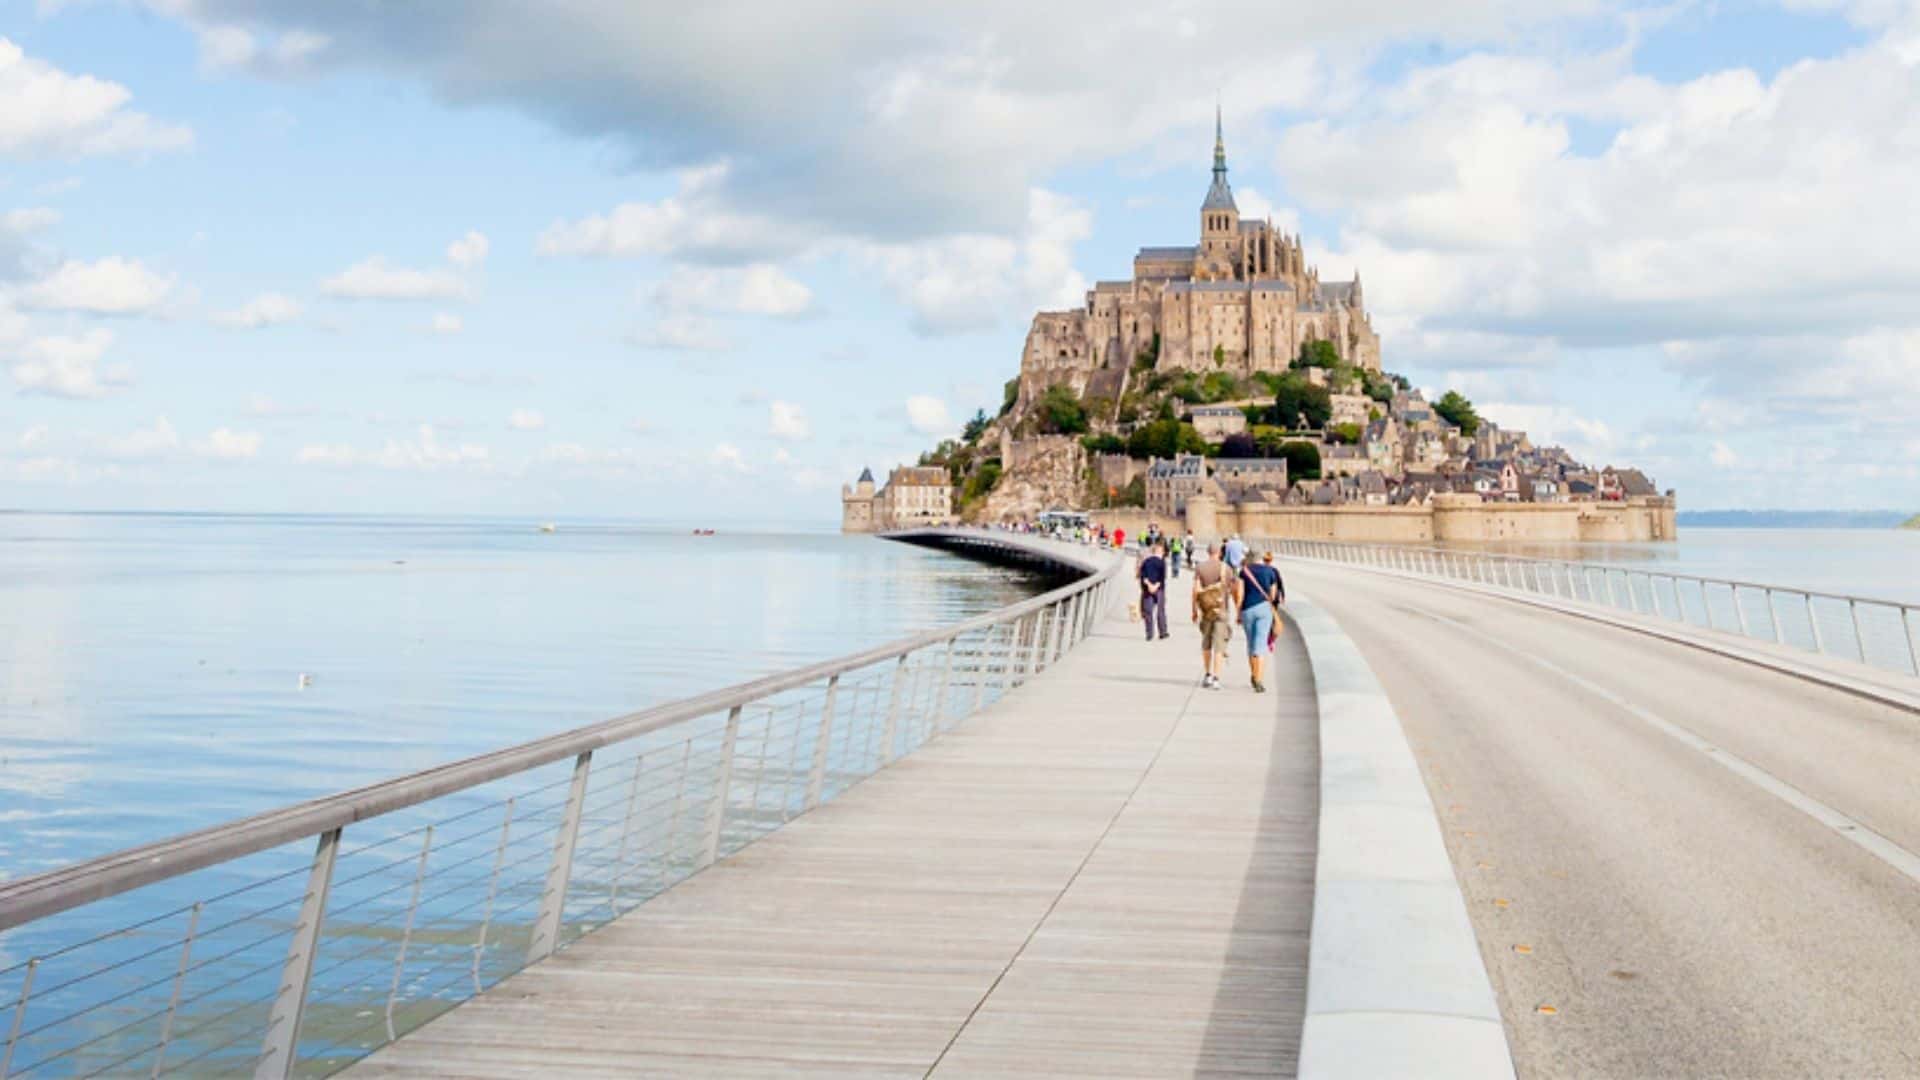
(1235, 552)
(1212, 613)
(1153, 590)
(1173, 555)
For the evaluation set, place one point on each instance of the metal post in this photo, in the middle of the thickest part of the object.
(290, 1002)
(1819, 646)
(19, 1014)
(626, 834)
(679, 802)
(1653, 589)
(1773, 619)
(1007, 654)
(1030, 647)
(173, 1000)
(979, 652)
(553, 899)
(717, 813)
(893, 708)
(493, 890)
(406, 934)
(1859, 642)
(1061, 611)
(1913, 647)
(817, 776)
(939, 712)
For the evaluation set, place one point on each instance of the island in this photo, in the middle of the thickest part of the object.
(1226, 388)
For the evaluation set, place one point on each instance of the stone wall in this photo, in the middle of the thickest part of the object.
(1046, 472)
(1452, 518)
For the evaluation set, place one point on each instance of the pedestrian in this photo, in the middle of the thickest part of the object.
(1193, 549)
(1258, 591)
(1173, 556)
(1213, 614)
(1235, 552)
(1153, 590)
(1119, 539)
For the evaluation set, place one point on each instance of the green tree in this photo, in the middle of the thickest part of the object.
(976, 427)
(1294, 398)
(1219, 356)
(1240, 445)
(982, 480)
(1165, 438)
(1348, 433)
(1061, 413)
(1104, 444)
(1135, 493)
(1380, 388)
(1303, 460)
(1458, 411)
(1318, 353)
(1220, 386)
(1009, 395)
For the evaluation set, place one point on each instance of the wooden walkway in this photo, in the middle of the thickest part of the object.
(1108, 874)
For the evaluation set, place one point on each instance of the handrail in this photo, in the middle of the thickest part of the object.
(1420, 560)
(25, 899)
(503, 882)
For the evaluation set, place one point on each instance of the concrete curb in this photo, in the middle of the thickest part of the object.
(1870, 683)
(1395, 984)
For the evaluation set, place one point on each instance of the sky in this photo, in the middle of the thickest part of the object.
(704, 263)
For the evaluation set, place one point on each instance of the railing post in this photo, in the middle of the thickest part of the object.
(406, 934)
(1913, 646)
(290, 1002)
(1030, 652)
(1062, 617)
(493, 890)
(979, 668)
(1007, 655)
(173, 1000)
(1819, 645)
(19, 1015)
(938, 714)
(1859, 642)
(893, 709)
(1773, 619)
(553, 899)
(1739, 613)
(817, 774)
(717, 813)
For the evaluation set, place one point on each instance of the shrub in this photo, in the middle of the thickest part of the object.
(1457, 410)
(1318, 353)
(1061, 413)
(1303, 460)
(1240, 445)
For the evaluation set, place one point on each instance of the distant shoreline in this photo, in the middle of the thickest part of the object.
(1795, 519)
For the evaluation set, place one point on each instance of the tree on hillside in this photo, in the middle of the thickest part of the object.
(1240, 445)
(1220, 386)
(1104, 444)
(1458, 411)
(1219, 356)
(1318, 353)
(1010, 395)
(1060, 412)
(1348, 433)
(1294, 398)
(976, 427)
(1165, 438)
(1303, 460)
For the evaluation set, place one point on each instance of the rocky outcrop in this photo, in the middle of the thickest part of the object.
(1047, 472)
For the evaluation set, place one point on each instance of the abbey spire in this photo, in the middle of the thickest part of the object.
(1219, 195)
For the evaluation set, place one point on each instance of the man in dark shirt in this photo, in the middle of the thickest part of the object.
(1153, 589)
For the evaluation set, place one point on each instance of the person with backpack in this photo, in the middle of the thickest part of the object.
(1258, 591)
(1153, 590)
(1213, 614)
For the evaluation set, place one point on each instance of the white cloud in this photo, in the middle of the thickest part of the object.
(156, 441)
(29, 219)
(928, 415)
(425, 452)
(67, 367)
(225, 444)
(267, 309)
(45, 112)
(526, 420)
(728, 456)
(756, 289)
(1723, 455)
(445, 323)
(693, 223)
(109, 286)
(33, 437)
(686, 333)
(469, 251)
(373, 279)
(787, 421)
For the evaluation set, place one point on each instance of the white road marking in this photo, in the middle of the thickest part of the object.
(1873, 843)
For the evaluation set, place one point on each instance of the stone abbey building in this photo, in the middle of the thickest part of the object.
(1241, 300)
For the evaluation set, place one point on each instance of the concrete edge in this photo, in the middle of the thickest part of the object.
(1395, 982)
(1716, 642)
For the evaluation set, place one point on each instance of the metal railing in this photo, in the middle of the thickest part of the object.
(1879, 633)
(299, 940)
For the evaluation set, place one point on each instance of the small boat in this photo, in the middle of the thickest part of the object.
(703, 532)
(549, 527)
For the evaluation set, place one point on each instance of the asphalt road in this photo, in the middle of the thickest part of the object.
(1677, 864)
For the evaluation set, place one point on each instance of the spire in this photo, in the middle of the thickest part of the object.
(1219, 194)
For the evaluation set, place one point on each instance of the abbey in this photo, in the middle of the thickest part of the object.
(1241, 300)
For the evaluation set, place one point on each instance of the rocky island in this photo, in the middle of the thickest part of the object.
(1225, 387)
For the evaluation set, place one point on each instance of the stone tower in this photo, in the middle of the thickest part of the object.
(1219, 218)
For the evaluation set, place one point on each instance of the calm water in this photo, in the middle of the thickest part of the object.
(1878, 563)
(150, 664)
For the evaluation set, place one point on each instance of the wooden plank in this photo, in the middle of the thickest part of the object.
(1109, 873)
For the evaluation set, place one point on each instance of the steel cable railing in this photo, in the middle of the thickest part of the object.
(420, 892)
(1879, 633)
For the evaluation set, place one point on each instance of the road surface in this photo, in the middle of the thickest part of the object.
(1677, 864)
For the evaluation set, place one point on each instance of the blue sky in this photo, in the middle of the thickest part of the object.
(705, 265)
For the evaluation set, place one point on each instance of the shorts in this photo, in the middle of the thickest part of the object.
(1215, 633)
(1258, 623)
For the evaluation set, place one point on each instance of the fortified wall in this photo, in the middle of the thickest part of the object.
(1450, 519)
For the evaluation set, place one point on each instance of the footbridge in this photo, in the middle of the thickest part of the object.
(1496, 816)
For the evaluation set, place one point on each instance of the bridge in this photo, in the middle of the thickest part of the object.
(1498, 816)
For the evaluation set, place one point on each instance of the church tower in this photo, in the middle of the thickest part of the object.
(1219, 256)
